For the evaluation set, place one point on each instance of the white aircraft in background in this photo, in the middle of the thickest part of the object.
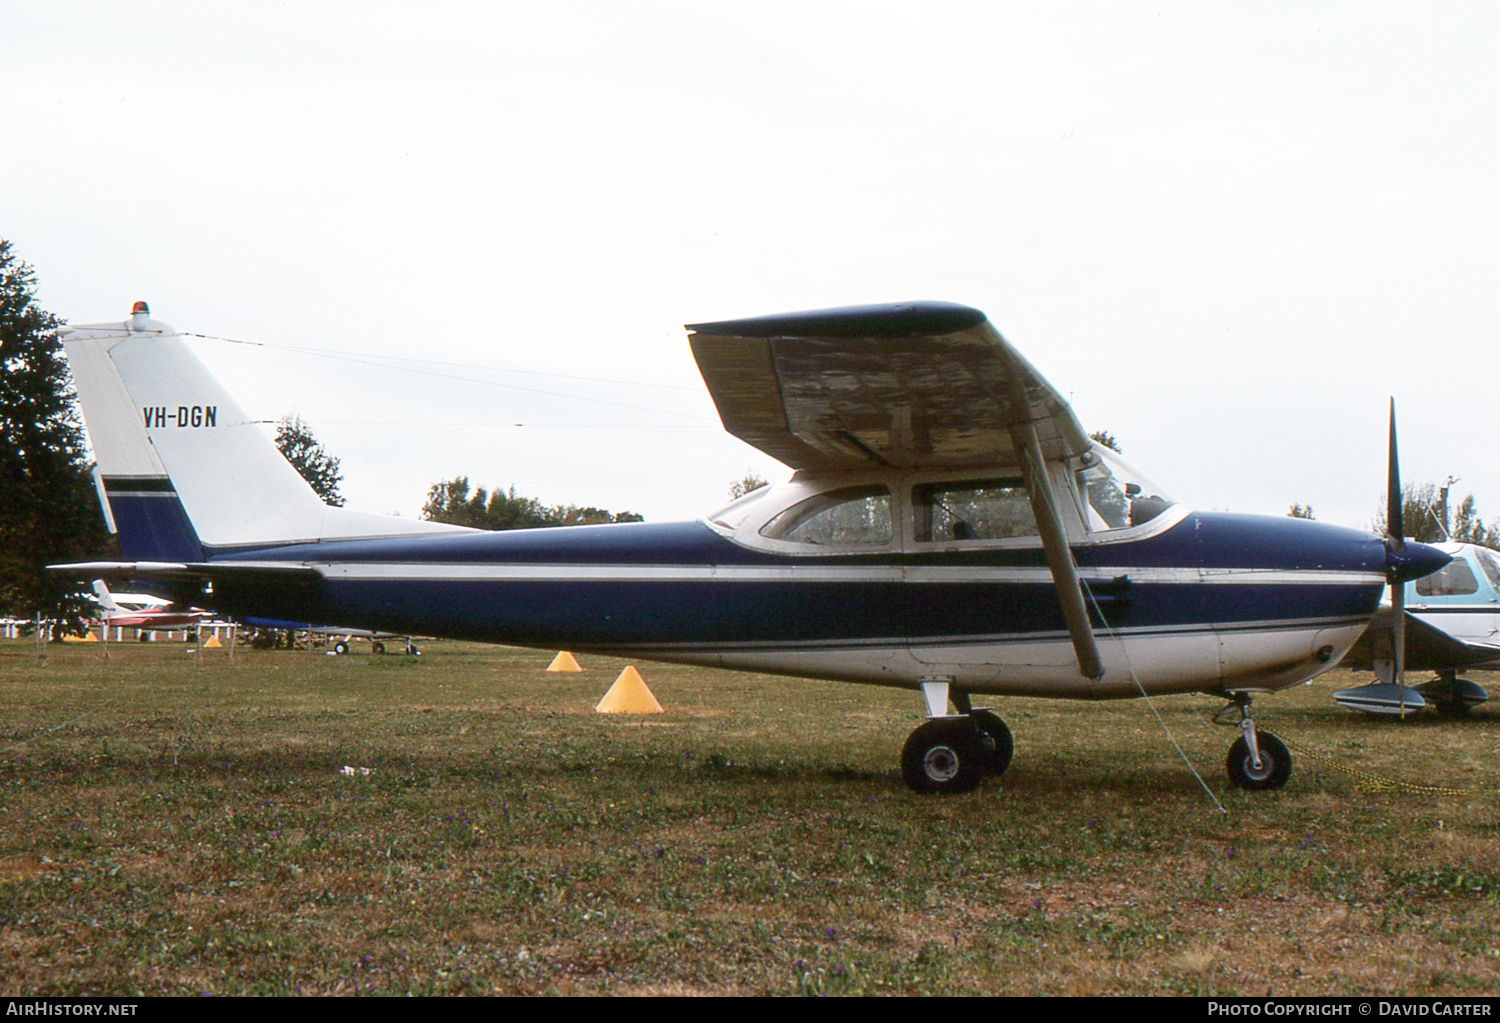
(950, 529)
(143, 611)
(1452, 625)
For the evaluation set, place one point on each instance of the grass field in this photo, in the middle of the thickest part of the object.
(170, 829)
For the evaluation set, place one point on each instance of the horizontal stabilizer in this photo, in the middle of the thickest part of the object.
(270, 570)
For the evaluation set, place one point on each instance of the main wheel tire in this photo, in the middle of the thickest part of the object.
(378, 648)
(945, 756)
(1275, 763)
(994, 734)
(341, 647)
(1451, 708)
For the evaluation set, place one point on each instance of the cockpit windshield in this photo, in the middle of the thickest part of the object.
(1119, 495)
(731, 515)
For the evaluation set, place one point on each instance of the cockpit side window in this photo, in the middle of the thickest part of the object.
(1490, 562)
(995, 509)
(846, 517)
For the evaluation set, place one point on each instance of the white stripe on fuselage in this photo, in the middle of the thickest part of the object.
(504, 572)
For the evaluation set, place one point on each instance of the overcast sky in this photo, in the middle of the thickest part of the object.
(1227, 231)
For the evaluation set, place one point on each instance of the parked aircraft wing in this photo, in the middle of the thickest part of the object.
(910, 386)
(1428, 648)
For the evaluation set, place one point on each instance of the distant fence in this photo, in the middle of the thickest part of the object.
(11, 628)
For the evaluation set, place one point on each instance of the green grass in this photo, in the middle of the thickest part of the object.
(175, 830)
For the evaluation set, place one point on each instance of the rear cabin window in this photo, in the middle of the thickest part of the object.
(972, 510)
(851, 516)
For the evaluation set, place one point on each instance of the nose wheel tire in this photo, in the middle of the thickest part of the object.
(944, 756)
(1275, 763)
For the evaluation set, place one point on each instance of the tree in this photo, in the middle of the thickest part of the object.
(1425, 518)
(454, 502)
(295, 440)
(49, 509)
(1107, 439)
(1467, 527)
(752, 480)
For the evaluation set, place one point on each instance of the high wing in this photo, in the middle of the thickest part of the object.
(909, 386)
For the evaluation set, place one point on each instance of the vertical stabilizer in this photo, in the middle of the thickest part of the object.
(185, 471)
(106, 599)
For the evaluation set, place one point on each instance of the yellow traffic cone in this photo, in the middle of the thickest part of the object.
(629, 695)
(564, 661)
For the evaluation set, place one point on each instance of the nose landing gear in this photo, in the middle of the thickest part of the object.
(1258, 761)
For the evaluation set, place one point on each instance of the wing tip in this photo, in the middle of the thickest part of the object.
(891, 320)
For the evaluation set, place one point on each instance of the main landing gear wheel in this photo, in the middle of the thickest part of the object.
(945, 756)
(1275, 763)
(994, 735)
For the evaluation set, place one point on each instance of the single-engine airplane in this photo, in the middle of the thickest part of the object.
(1452, 625)
(142, 611)
(949, 528)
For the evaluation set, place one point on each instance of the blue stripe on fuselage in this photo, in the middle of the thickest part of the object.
(613, 609)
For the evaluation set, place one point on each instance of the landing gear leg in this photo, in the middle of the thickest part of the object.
(1257, 760)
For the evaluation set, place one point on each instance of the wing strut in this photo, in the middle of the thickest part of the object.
(1059, 556)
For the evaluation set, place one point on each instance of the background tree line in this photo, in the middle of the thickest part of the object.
(1427, 516)
(456, 503)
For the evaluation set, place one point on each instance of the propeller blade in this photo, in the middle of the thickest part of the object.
(1403, 562)
(1394, 527)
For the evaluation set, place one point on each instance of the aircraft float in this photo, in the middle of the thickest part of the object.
(949, 528)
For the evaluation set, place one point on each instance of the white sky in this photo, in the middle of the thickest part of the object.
(1229, 231)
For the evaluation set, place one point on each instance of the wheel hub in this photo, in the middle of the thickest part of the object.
(940, 763)
(1262, 772)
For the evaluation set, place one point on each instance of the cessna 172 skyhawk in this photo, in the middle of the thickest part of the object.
(949, 527)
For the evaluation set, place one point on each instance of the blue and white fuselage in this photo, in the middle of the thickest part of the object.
(1199, 601)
